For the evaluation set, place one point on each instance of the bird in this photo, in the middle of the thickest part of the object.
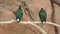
(19, 14)
(42, 15)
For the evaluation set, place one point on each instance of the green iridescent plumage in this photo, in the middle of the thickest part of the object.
(19, 14)
(42, 15)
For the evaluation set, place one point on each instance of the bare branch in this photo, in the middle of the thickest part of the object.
(53, 16)
(57, 2)
(26, 9)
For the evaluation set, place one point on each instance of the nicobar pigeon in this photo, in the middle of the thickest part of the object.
(42, 15)
(19, 14)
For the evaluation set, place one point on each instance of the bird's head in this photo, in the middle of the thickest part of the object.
(42, 9)
(19, 7)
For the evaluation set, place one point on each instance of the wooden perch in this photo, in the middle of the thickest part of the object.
(32, 23)
(22, 22)
(28, 22)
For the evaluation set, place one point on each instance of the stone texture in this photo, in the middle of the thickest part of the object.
(6, 13)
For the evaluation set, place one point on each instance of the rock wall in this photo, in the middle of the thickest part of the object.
(7, 7)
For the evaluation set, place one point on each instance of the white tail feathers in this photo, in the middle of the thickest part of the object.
(44, 22)
(17, 20)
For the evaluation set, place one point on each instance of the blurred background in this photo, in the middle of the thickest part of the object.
(9, 7)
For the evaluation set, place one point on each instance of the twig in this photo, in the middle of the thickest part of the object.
(53, 24)
(53, 16)
(32, 23)
(31, 30)
(57, 2)
(41, 29)
(27, 22)
(26, 9)
(8, 22)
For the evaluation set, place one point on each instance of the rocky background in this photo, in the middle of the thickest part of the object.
(9, 7)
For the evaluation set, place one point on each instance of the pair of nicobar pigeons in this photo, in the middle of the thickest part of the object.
(42, 14)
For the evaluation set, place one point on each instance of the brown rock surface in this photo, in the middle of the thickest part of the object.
(6, 13)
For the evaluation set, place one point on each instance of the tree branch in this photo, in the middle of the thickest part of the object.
(53, 16)
(26, 9)
(56, 2)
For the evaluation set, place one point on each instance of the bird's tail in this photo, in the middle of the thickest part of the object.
(18, 20)
(43, 22)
